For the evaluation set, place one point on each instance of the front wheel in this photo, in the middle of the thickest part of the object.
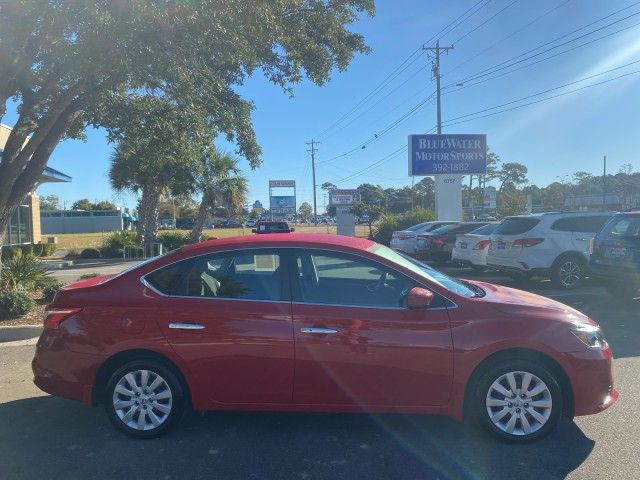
(144, 398)
(568, 272)
(517, 401)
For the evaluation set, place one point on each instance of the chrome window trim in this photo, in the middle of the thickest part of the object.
(144, 281)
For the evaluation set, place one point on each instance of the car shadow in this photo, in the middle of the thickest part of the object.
(48, 437)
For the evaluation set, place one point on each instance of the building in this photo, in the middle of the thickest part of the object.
(85, 221)
(24, 227)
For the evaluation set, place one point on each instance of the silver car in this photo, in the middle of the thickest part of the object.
(405, 240)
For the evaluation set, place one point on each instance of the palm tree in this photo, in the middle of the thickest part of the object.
(221, 184)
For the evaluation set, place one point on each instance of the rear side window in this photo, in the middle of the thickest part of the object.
(623, 226)
(166, 279)
(587, 224)
(516, 225)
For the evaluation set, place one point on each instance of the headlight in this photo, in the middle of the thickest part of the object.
(590, 335)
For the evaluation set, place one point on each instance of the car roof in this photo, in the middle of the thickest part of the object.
(275, 239)
(547, 214)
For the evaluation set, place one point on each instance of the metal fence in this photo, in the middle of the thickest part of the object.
(142, 252)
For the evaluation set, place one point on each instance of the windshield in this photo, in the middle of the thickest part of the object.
(430, 274)
(516, 225)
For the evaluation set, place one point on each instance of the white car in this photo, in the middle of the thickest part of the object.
(554, 245)
(405, 240)
(471, 248)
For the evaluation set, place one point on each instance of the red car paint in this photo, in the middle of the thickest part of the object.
(252, 356)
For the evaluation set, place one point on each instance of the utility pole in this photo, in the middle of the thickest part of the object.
(312, 150)
(448, 188)
(604, 182)
(436, 73)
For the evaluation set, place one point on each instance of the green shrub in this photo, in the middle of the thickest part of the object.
(87, 276)
(48, 249)
(15, 252)
(115, 243)
(27, 250)
(15, 303)
(49, 291)
(22, 273)
(390, 223)
(90, 253)
(38, 249)
(172, 240)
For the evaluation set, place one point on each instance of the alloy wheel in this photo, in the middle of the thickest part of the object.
(142, 400)
(519, 403)
(570, 273)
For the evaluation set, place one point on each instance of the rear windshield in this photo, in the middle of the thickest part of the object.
(486, 230)
(516, 225)
(623, 226)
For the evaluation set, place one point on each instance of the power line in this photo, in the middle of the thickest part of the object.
(485, 22)
(452, 122)
(513, 61)
(460, 20)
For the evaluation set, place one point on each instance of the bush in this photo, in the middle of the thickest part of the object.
(390, 223)
(116, 242)
(27, 250)
(172, 240)
(90, 253)
(22, 273)
(50, 289)
(87, 276)
(38, 249)
(9, 253)
(15, 303)
(48, 249)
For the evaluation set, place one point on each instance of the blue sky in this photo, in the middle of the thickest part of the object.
(553, 138)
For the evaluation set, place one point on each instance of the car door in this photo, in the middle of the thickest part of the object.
(228, 315)
(356, 341)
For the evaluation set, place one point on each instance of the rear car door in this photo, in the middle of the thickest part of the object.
(357, 343)
(228, 315)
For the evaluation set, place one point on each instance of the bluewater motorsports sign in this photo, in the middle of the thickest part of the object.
(283, 204)
(446, 154)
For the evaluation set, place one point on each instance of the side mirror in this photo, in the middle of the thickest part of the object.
(292, 229)
(419, 298)
(253, 230)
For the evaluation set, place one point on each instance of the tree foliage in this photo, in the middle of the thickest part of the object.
(305, 211)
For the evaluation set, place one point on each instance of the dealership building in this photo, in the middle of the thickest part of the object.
(24, 227)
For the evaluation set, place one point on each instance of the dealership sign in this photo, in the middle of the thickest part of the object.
(282, 183)
(446, 154)
(343, 197)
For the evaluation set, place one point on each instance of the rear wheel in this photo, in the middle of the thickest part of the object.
(517, 401)
(568, 272)
(144, 398)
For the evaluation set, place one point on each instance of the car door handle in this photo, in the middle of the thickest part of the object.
(317, 330)
(582, 239)
(186, 326)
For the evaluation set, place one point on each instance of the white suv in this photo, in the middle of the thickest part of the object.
(554, 245)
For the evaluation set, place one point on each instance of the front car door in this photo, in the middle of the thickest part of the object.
(228, 315)
(357, 343)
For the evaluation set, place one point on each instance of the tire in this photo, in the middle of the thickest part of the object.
(160, 407)
(512, 417)
(568, 272)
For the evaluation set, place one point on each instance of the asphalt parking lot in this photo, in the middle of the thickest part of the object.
(47, 437)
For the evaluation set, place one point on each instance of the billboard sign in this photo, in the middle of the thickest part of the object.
(283, 204)
(343, 197)
(447, 154)
(282, 183)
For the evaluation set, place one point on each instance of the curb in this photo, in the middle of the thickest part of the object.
(16, 333)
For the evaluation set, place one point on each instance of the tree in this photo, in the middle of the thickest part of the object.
(82, 204)
(50, 202)
(66, 63)
(221, 184)
(371, 213)
(104, 205)
(512, 174)
(328, 186)
(305, 211)
(512, 202)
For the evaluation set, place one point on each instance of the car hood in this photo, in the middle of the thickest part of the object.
(512, 300)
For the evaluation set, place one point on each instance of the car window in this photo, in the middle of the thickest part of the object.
(516, 225)
(623, 226)
(418, 227)
(250, 275)
(587, 224)
(445, 228)
(485, 230)
(341, 279)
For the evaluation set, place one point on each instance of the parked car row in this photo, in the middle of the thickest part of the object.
(555, 245)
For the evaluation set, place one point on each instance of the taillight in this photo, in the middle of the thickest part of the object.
(438, 240)
(404, 237)
(527, 242)
(54, 316)
(481, 245)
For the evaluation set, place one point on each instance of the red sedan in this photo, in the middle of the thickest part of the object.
(318, 323)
